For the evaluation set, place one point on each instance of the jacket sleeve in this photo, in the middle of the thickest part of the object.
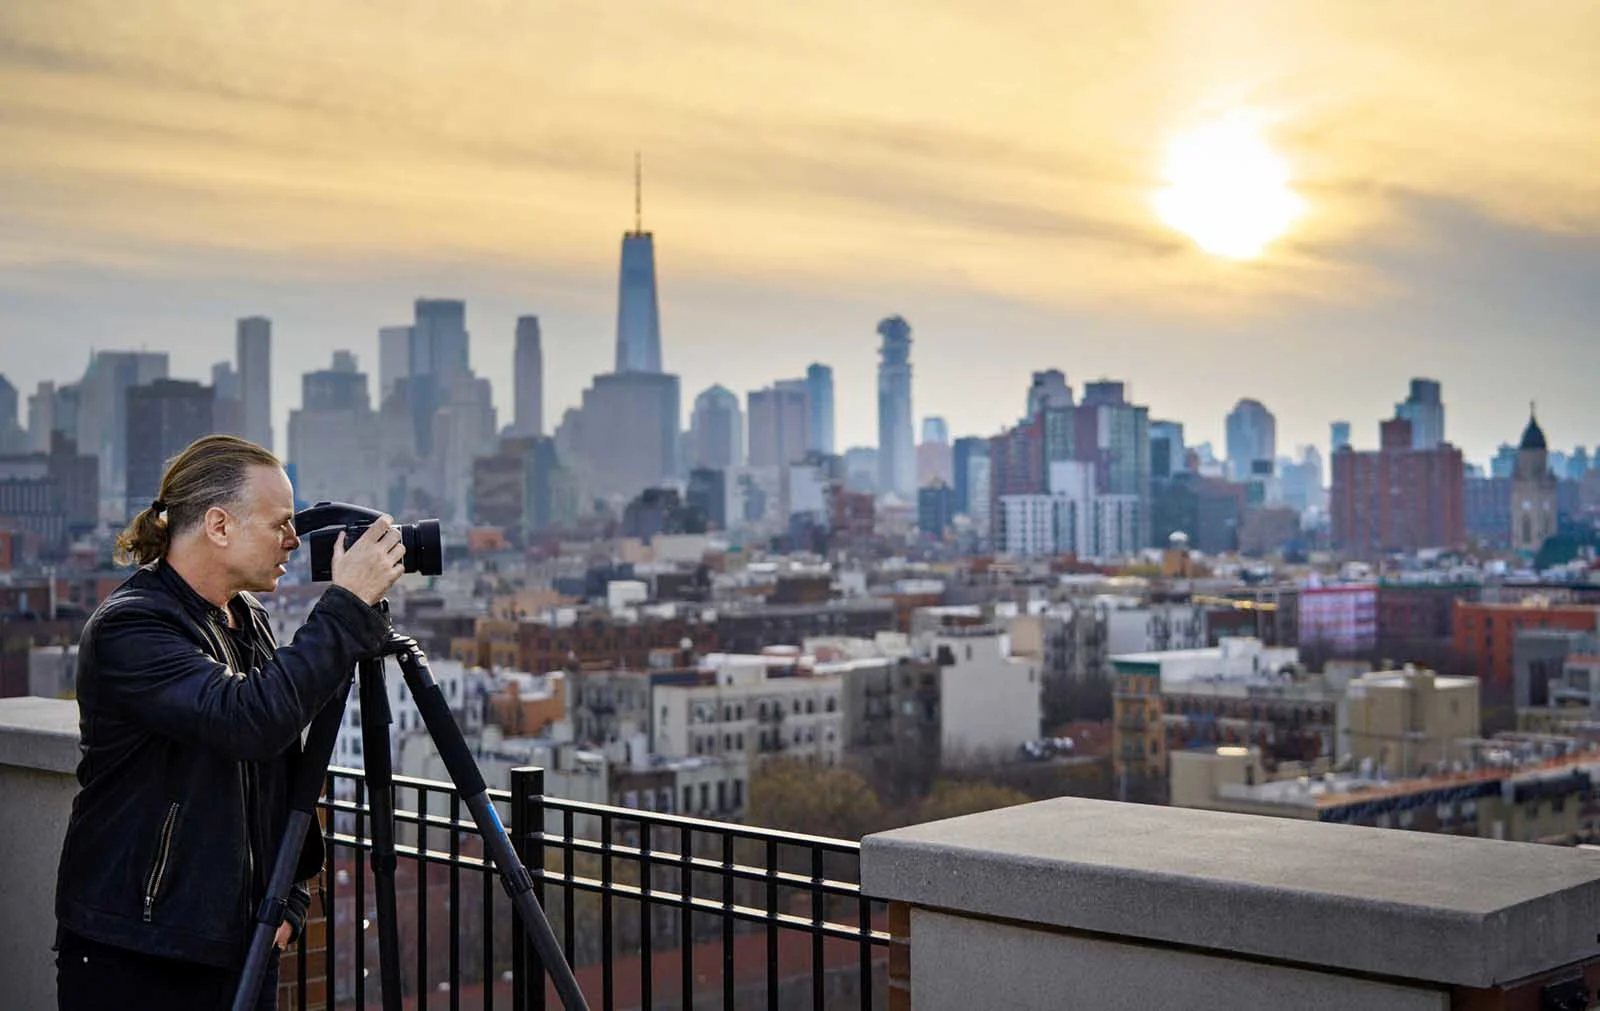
(149, 667)
(298, 902)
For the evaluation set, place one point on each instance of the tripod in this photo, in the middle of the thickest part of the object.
(307, 787)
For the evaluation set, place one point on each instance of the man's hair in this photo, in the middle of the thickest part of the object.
(210, 472)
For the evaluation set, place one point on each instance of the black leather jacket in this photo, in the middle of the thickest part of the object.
(191, 732)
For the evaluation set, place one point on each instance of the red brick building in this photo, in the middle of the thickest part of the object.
(544, 647)
(1398, 498)
(1486, 633)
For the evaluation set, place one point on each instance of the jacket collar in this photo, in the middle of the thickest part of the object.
(191, 599)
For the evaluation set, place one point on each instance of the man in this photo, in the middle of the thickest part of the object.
(191, 716)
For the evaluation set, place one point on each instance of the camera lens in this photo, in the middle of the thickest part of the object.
(424, 549)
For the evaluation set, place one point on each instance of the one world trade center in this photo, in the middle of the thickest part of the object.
(638, 318)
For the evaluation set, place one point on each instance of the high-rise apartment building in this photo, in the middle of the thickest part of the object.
(253, 358)
(897, 463)
(528, 373)
(1398, 498)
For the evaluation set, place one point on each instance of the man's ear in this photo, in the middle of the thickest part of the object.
(217, 525)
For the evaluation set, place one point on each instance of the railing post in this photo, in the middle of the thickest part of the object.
(527, 838)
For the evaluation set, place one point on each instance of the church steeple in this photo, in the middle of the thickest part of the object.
(1533, 435)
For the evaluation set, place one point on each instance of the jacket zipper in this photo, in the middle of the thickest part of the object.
(160, 869)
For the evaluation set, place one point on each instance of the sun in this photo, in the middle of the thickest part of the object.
(1227, 189)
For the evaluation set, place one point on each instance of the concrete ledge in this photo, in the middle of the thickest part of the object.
(39, 734)
(1442, 909)
(960, 964)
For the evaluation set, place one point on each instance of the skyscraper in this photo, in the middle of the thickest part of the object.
(227, 413)
(638, 314)
(935, 462)
(1048, 389)
(965, 450)
(439, 356)
(1424, 408)
(897, 461)
(439, 340)
(253, 353)
(819, 385)
(41, 417)
(1168, 455)
(162, 418)
(716, 430)
(102, 416)
(625, 432)
(780, 423)
(529, 372)
(1252, 437)
(1338, 437)
(12, 436)
(394, 359)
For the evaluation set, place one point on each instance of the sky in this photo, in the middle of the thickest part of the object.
(988, 171)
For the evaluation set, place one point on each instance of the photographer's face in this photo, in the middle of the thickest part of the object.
(259, 554)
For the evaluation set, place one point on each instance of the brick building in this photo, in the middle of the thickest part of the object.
(597, 640)
(1486, 634)
(1398, 498)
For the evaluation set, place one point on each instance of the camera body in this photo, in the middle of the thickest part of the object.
(321, 524)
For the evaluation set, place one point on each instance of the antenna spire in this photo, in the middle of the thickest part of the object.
(638, 195)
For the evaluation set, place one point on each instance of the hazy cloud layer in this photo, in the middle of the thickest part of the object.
(984, 169)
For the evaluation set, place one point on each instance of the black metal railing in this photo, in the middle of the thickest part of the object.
(653, 910)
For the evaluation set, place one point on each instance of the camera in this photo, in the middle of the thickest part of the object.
(323, 522)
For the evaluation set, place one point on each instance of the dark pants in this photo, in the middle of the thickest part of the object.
(91, 976)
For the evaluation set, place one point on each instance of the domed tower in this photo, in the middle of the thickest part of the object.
(1533, 492)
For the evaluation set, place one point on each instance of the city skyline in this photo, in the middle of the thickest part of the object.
(162, 187)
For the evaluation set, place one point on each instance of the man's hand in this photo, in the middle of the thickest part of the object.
(373, 563)
(281, 939)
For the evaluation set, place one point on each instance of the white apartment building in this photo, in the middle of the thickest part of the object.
(989, 697)
(772, 704)
(465, 690)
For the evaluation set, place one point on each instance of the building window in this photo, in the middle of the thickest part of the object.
(738, 794)
(705, 796)
(722, 796)
(831, 705)
(688, 799)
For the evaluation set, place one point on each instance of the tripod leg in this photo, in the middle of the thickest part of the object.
(375, 721)
(468, 780)
(303, 794)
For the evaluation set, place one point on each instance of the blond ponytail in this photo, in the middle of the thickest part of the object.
(210, 472)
